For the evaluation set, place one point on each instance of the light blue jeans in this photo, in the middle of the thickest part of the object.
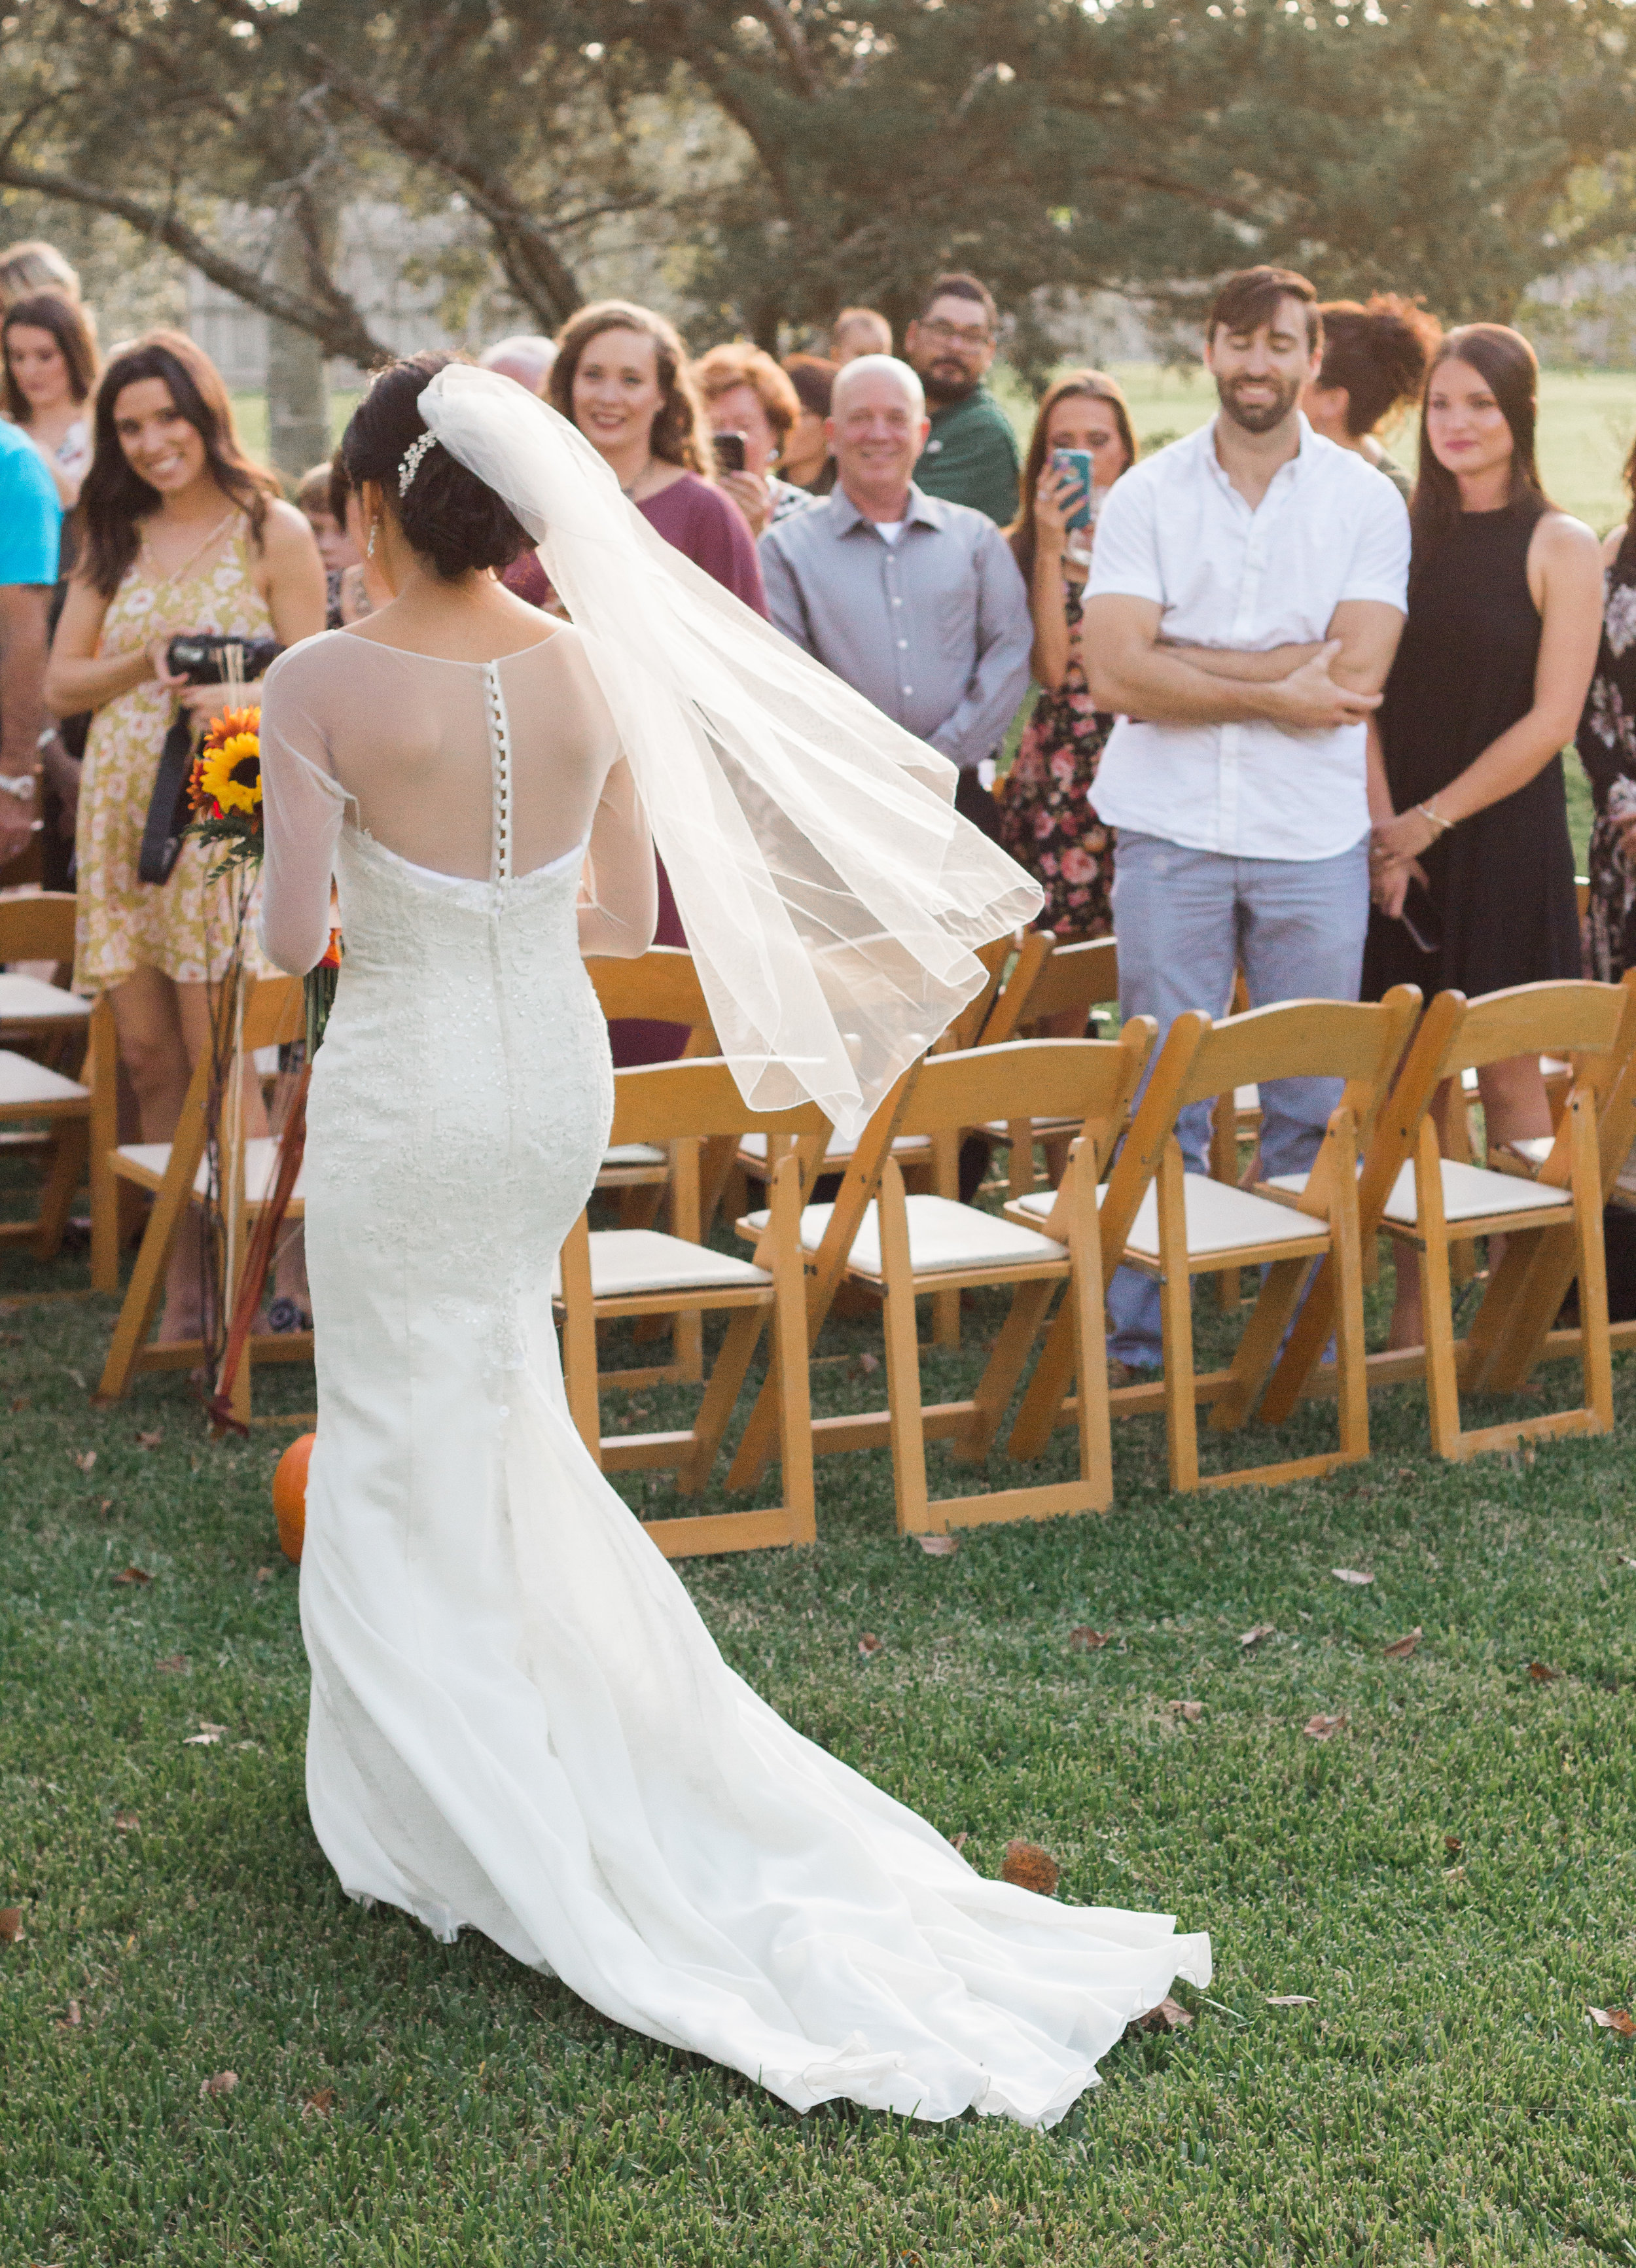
(1184, 920)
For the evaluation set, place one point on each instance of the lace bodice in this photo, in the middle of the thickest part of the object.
(478, 771)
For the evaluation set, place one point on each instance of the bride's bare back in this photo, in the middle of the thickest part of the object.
(406, 744)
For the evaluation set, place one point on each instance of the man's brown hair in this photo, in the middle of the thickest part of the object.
(1250, 299)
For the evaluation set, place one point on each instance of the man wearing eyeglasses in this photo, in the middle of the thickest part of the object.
(971, 457)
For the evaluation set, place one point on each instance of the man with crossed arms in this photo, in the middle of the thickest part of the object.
(1248, 589)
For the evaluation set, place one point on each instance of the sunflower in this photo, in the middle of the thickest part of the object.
(229, 769)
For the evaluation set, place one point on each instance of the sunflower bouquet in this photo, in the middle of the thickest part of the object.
(224, 791)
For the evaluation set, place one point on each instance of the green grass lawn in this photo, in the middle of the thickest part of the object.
(1449, 1878)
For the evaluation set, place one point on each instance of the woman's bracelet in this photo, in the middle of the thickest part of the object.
(1436, 818)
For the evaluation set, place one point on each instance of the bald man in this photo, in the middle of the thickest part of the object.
(527, 356)
(916, 602)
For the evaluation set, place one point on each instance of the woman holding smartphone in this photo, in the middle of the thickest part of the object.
(1082, 441)
(1471, 867)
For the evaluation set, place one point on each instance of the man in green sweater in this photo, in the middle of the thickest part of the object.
(971, 457)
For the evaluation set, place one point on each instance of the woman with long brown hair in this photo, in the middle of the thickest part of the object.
(182, 534)
(1047, 822)
(47, 372)
(621, 375)
(1466, 790)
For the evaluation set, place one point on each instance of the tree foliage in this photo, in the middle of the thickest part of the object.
(1140, 146)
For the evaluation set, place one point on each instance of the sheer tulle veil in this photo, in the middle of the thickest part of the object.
(831, 896)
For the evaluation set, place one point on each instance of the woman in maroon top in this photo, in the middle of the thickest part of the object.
(621, 373)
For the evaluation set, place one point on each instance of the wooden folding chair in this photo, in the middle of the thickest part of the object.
(43, 1031)
(908, 1247)
(1551, 1221)
(177, 1175)
(1173, 1225)
(608, 1273)
(1067, 983)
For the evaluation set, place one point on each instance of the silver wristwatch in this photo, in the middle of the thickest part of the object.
(21, 784)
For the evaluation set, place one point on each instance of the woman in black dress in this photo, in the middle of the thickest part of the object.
(1607, 749)
(1466, 789)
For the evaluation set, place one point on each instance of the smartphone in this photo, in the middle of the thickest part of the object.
(1081, 512)
(729, 449)
(1419, 916)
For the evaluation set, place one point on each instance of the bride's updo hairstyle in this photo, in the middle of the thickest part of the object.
(447, 514)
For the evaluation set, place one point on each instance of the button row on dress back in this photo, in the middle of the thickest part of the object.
(500, 755)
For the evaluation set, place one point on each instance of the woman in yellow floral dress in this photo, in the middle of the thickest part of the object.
(182, 534)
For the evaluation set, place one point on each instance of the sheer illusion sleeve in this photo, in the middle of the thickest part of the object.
(619, 892)
(304, 805)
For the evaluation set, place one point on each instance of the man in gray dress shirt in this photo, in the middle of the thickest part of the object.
(915, 602)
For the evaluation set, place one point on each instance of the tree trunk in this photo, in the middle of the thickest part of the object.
(298, 392)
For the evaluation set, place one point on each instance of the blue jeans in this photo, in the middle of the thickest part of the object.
(1184, 920)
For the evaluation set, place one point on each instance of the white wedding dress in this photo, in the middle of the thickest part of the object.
(519, 1724)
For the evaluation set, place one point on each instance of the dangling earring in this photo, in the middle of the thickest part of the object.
(369, 548)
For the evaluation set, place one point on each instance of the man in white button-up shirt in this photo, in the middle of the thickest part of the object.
(1247, 592)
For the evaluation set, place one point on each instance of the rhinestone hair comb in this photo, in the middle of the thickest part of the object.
(409, 463)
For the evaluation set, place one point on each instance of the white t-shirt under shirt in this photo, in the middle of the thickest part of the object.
(1174, 530)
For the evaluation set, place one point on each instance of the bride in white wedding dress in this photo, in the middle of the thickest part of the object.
(519, 1722)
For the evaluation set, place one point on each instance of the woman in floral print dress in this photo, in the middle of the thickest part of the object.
(182, 534)
(1607, 749)
(1047, 822)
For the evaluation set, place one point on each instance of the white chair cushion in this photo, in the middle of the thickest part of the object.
(633, 1153)
(1219, 1217)
(942, 1236)
(1534, 1149)
(837, 1147)
(1039, 1202)
(631, 1260)
(260, 1169)
(1470, 1192)
(23, 1082)
(30, 1000)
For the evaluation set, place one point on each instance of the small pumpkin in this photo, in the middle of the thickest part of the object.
(289, 1495)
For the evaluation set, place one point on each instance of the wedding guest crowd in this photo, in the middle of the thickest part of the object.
(1280, 724)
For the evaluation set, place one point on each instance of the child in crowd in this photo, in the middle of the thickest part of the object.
(336, 549)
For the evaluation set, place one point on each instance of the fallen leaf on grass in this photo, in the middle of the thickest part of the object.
(1453, 1845)
(869, 1364)
(105, 1506)
(1323, 1728)
(1262, 1630)
(177, 1663)
(1626, 1560)
(1614, 2020)
(127, 1821)
(73, 2020)
(1401, 1648)
(1030, 1869)
(23, 1401)
(221, 2082)
(938, 1546)
(1168, 2016)
(869, 1644)
(133, 1575)
(206, 1737)
(149, 1440)
(1088, 1638)
(263, 1574)
(318, 2103)
(1541, 1673)
(1291, 1999)
(1350, 1575)
(959, 1841)
(10, 1924)
(86, 1459)
(1191, 1710)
